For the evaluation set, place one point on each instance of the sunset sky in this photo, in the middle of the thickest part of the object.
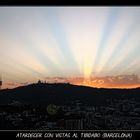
(39, 42)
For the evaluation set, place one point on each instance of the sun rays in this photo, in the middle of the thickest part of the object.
(39, 42)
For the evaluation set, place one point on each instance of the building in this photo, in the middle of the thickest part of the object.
(74, 122)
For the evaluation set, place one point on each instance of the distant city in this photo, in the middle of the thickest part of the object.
(62, 106)
(117, 115)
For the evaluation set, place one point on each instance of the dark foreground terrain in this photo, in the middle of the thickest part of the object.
(44, 106)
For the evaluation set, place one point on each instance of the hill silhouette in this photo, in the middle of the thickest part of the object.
(63, 94)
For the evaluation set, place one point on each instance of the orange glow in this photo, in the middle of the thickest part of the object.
(109, 82)
(12, 85)
(100, 84)
(119, 81)
(88, 83)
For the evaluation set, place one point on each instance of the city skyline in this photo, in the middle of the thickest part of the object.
(39, 42)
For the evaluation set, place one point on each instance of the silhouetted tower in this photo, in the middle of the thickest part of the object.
(39, 82)
(0, 82)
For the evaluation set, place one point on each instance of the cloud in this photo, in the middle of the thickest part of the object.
(118, 81)
(12, 85)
